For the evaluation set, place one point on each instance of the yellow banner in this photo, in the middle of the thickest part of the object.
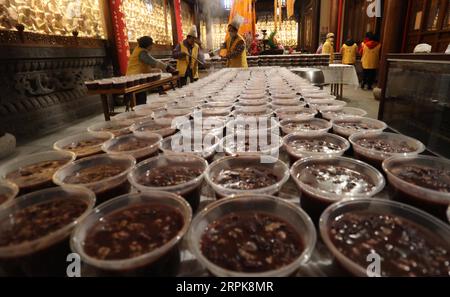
(290, 7)
(244, 8)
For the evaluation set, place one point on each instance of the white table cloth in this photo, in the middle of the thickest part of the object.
(340, 74)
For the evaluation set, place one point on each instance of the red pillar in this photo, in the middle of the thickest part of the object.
(339, 26)
(177, 15)
(120, 34)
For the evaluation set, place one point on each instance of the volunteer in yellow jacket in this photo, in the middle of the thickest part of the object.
(187, 54)
(236, 51)
(370, 59)
(141, 61)
(328, 47)
(349, 52)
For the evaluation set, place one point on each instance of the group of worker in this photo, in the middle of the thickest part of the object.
(369, 51)
(189, 54)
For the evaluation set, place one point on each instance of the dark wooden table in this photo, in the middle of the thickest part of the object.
(130, 92)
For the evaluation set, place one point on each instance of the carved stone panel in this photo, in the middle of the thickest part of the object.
(42, 89)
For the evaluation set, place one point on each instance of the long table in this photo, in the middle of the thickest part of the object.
(129, 92)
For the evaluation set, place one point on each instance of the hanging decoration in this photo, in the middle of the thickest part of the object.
(244, 8)
(290, 8)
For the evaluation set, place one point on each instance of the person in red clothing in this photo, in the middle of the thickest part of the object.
(370, 58)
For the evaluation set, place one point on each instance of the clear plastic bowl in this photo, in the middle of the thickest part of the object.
(344, 112)
(287, 102)
(207, 125)
(243, 144)
(253, 111)
(214, 111)
(432, 201)
(140, 263)
(382, 207)
(154, 106)
(227, 99)
(44, 256)
(372, 125)
(146, 110)
(289, 212)
(327, 105)
(278, 168)
(283, 96)
(189, 190)
(322, 126)
(33, 182)
(131, 115)
(255, 96)
(179, 143)
(68, 142)
(218, 104)
(316, 199)
(298, 113)
(329, 108)
(105, 188)
(254, 89)
(161, 127)
(320, 101)
(375, 177)
(8, 191)
(173, 113)
(252, 126)
(255, 102)
(183, 104)
(117, 128)
(295, 154)
(376, 157)
(118, 146)
(318, 95)
(251, 108)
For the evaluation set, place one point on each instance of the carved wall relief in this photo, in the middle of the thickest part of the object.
(40, 94)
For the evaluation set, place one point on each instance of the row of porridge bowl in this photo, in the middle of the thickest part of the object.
(248, 230)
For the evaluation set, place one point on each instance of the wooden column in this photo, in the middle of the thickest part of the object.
(299, 24)
(209, 33)
(393, 18)
(316, 25)
(334, 16)
(197, 17)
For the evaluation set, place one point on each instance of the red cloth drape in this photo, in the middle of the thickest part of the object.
(120, 34)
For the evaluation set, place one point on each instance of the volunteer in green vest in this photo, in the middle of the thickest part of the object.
(187, 55)
(141, 61)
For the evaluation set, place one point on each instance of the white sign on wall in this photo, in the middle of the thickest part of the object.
(374, 8)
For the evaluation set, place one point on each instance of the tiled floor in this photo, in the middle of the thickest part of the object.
(355, 98)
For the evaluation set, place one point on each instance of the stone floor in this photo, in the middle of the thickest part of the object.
(354, 96)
